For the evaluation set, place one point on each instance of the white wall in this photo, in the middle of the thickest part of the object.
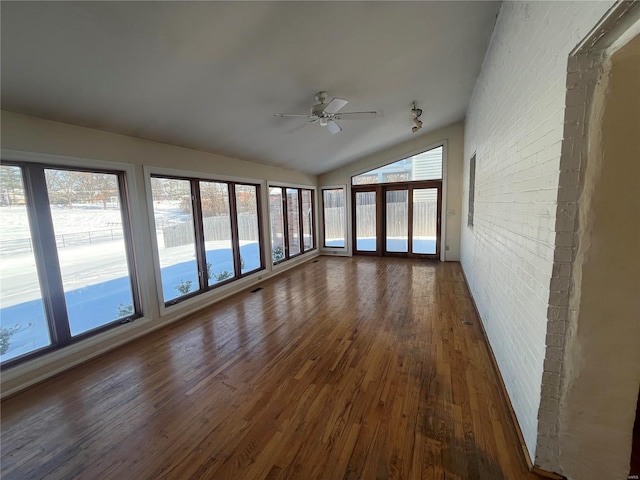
(515, 126)
(23, 133)
(453, 136)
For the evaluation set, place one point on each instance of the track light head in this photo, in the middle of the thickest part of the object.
(416, 112)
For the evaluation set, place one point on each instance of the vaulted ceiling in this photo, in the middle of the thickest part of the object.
(210, 75)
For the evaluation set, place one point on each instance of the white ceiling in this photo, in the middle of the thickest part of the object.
(210, 75)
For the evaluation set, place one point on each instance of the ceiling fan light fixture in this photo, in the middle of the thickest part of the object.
(326, 113)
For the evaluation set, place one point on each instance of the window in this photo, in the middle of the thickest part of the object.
(397, 208)
(424, 166)
(72, 275)
(333, 216)
(277, 224)
(173, 212)
(308, 239)
(292, 223)
(207, 232)
(472, 189)
(23, 322)
(216, 223)
(248, 228)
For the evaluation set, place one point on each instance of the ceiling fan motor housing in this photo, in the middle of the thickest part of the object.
(318, 110)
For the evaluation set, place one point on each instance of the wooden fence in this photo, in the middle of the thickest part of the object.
(215, 228)
(218, 228)
(425, 220)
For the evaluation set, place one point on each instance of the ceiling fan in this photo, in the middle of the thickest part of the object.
(326, 114)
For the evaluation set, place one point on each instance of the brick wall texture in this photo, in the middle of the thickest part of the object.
(512, 254)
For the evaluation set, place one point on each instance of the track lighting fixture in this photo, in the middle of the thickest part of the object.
(416, 112)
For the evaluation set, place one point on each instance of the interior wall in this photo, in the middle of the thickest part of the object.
(602, 360)
(29, 134)
(23, 132)
(453, 135)
(515, 127)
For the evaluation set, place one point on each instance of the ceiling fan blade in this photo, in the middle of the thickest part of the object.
(299, 127)
(355, 115)
(335, 105)
(333, 127)
(300, 115)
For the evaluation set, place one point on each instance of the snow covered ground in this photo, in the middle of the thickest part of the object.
(95, 275)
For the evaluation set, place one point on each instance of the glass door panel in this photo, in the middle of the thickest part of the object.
(366, 221)
(425, 220)
(397, 221)
(333, 217)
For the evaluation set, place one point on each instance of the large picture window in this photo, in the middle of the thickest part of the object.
(292, 222)
(66, 257)
(207, 232)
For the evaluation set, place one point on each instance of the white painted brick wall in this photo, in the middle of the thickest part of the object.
(515, 125)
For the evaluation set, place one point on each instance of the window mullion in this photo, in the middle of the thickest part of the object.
(410, 220)
(312, 221)
(201, 256)
(261, 235)
(285, 222)
(235, 236)
(300, 222)
(46, 254)
(126, 224)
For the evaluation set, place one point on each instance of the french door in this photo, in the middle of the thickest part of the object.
(398, 219)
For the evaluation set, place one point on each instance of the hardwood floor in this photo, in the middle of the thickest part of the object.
(347, 368)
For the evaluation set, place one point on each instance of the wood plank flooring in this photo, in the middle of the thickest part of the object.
(346, 368)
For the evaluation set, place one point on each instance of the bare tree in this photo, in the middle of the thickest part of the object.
(11, 185)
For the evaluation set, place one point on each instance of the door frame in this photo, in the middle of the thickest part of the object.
(380, 189)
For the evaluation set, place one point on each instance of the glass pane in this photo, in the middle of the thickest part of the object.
(293, 221)
(307, 219)
(174, 233)
(366, 221)
(23, 325)
(425, 220)
(333, 204)
(216, 221)
(397, 206)
(277, 224)
(248, 229)
(87, 220)
(424, 166)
